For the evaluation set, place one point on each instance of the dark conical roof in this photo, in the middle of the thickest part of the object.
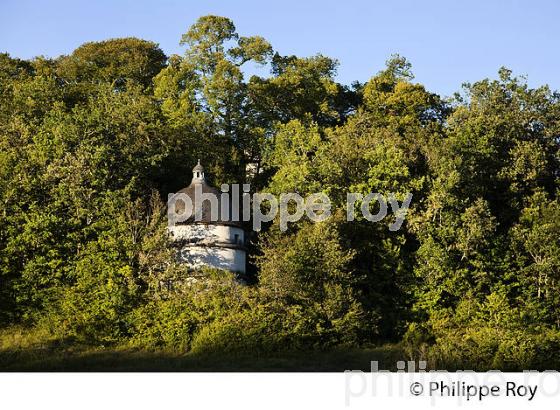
(206, 211)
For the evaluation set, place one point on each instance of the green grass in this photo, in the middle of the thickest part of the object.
(23, 350)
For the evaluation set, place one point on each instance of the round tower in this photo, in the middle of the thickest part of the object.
(207, 239)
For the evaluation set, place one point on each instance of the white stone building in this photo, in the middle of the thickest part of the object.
(210, 241)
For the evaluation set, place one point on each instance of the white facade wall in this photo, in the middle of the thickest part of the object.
(221, 258)
(208, 233)
(211, 245)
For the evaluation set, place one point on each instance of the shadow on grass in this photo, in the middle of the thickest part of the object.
(57, 359)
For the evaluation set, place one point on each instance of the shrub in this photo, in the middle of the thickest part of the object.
(168, 324)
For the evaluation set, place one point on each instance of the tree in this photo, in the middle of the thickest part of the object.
(310, 271)
(115, 61)
(206, 89)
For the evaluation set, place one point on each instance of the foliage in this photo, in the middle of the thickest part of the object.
(90, 142)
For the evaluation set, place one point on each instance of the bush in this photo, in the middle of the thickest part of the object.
(168, 324)
(483, 335)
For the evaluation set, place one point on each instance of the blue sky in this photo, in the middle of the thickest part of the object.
(448, 42)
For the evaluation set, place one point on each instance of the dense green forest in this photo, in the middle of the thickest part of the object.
(91, 142)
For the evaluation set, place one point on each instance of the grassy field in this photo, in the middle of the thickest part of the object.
(22, 350)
